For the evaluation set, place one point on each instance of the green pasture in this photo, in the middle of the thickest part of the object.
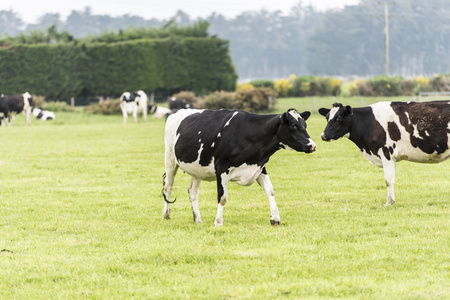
(80, 218)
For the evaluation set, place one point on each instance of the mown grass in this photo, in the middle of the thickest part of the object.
(81, 218)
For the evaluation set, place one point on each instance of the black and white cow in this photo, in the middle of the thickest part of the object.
(158, 111)
(134, 103)
(43, 115)
(387, 132)
(228, 145)
(176, 104)
(14, 104)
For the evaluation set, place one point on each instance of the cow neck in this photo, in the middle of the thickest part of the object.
(360, 126)
(267, 141)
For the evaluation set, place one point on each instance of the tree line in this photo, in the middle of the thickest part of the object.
(269, 44)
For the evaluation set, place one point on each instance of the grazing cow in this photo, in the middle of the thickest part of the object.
(43, 115)
(228, 145)
(133, 103)
(176, 104)
(158, 111)
(14, 104)
(387, 132)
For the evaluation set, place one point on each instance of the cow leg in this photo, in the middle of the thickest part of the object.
(264, 181)
(193, 196)
(389, 176)
(135, 111)
(222, 195)
(144, 114)
(125, 115)
(168, 179)
(28, 114)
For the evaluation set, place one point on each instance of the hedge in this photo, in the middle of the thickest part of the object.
(62, 71)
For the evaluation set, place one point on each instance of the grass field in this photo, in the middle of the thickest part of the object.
(81, 208)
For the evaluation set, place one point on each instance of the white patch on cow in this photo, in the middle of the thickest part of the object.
(212, 145)
(228, 122)
(295, 114)
(161, 112)
(244, 174)
(199, 132)
(403, 149)
(333, 112)
(427, 133)
(197, 170)
(200, 140)
(219, 135)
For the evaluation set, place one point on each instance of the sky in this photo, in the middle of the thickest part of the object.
(31, 10)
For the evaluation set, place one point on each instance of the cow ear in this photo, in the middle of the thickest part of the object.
(305, 115)
(348, 110)
(283, 118)
(324, 111)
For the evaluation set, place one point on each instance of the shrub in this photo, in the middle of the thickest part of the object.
(385, 86)
(246, 86)
(263, 83)
(57, 106)
(282, 87)
(107, 107)
(441, 83)
(256, 100)
(219, 100)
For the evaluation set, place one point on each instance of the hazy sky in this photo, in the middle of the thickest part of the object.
(31, 10)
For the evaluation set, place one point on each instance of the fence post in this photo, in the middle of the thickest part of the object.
(314, 104)
(270, 103)
(72, 102)
(361, 101)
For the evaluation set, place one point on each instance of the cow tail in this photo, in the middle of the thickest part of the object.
(162, 191)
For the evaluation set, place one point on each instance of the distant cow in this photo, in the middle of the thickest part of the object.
(176, 104)
(229, 145)
(43, 115)
(14, 104)
(134, 103)
(387, 132)
(158, 111)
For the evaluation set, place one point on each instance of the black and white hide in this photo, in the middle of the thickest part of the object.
(229, 145)
(388, 132)
(15, 104)
(134, 103)
(43, 115)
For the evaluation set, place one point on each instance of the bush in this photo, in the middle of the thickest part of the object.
(263, 83)
(107, 107)
(282, 87)
(441, 83)
(385, 86)
(219, 100)
(57, 106)
(255, 100)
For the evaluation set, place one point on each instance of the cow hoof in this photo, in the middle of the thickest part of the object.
(389, 203)
(274, 223)
(166, 215)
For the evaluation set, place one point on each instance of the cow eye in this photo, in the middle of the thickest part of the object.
(339, 119)
(295, 127)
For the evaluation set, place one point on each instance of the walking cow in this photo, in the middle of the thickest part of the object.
(228, 145)
(14, 104)
(134, 103)
(387, 132)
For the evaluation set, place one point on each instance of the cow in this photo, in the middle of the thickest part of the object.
(176, 104)
(388, 132)
(228, 145)
(43, 115)
(134, 103)
(14, 104)
(158, 111)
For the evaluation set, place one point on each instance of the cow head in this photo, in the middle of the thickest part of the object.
(292, 132)
(339, 121)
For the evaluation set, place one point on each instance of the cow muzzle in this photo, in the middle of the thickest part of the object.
(312, 146)
(325, 137)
